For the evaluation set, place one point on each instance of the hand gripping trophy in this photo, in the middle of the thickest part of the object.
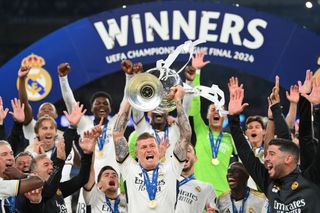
(150, 91)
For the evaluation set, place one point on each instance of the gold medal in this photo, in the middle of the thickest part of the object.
(294, 185)
(215, 161)
(100, 154)
(152, 204)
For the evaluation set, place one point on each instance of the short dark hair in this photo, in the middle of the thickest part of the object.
(256, 118)
(286, 145)
(100, 94)
(242, 168)
(21, 154)
(104, 169)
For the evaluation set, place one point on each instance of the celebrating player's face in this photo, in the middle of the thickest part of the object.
(237, 176)
(255, 133)
(147, 152)
(6, 158)
(158, 118)
(214, 117)
(46, 134)
(101, 107)
(44, 168)
(275, 161)
(23, 163)
(47, 109)
(108, 181)
(191, 158)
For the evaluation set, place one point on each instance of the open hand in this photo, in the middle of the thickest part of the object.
(3, 112)
(235, 103)
(17, 110)
(76, 114)
(293, 96)
(314, 96)
(35, 196)
(197, 60)
(306, 87)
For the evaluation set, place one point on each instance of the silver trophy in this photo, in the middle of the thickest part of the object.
(149, 91)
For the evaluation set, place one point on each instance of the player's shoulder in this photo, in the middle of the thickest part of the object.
(257, 194)
(224, 195)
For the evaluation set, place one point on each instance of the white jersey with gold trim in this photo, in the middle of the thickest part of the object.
(138, 199)
(97, 201)
(194, 196)
(254, 203)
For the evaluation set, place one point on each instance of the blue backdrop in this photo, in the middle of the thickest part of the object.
(241, 38)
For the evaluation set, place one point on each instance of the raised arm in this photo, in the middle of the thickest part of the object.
(281, 128)
(67, 95)
(252, 163)
(23, 182)
(130, 69)
(3, 115)
(276, 119)
(52, 184)
(293, 98)
(180, 149)
(120, 142)
(197, 63)
(16, 137)
(63, 149)
(74, 119)
(306, 134)
(190, 74)
(87, 144)
(270, 127)
(30, 183)
(23, 95)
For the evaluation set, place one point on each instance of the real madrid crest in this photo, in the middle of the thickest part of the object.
(251, 210)
(38, 82)
(294, 185)
(58, 192)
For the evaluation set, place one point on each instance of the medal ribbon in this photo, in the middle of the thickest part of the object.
(215, 147)
(235, 210)
(166, 135)
(261, 148)
(187, 179)
(102, 139)
(151, 186)
(115, 208)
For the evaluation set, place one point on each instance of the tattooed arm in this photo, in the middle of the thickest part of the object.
(180, 149)
(120, 143)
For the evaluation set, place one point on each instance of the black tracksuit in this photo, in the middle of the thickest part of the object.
(296, 192)
(54, 192)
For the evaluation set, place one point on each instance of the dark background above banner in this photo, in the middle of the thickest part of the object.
(253, 45)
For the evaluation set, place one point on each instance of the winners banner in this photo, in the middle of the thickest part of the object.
(236, 37)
